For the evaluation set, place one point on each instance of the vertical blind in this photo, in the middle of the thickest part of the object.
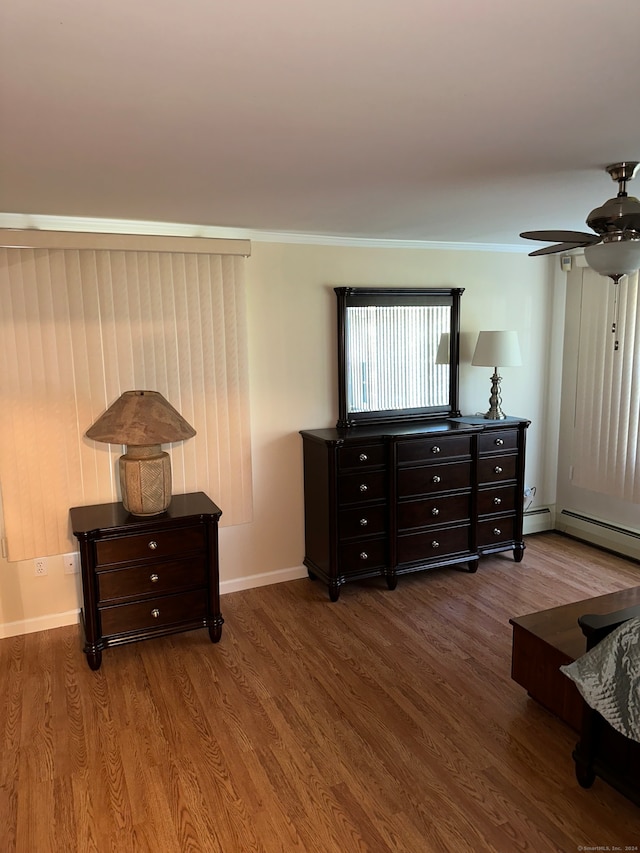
(79, 327)
(606, 426)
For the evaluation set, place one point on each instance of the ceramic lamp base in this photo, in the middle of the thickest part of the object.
(145, 480)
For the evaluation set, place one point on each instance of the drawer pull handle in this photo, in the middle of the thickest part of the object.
(155, 612)
(499, 442)
(435, 449)
(435, 479)
(154, 578)
(498, 469)
(497, 501)
(435, 544)
(364, 487)
(153, 544)
(435, 511)
(364, 555)
(364, 522)
(497, 531)
(363, 457)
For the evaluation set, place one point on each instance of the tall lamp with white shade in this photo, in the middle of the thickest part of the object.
(496, 349)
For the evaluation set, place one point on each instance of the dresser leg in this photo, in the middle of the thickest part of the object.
(334, 591)
(94, 659)
(392, 581)
(215, 630)
(518, 553)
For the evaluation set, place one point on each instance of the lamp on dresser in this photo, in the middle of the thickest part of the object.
(496, 349)
(143, 420)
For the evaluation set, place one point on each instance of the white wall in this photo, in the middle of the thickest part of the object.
(293, 386)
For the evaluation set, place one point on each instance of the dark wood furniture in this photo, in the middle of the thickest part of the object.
(545, 641)
(147, 577)
(602, 751)
(387, 500)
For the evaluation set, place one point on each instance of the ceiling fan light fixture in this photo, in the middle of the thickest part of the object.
(614, 258)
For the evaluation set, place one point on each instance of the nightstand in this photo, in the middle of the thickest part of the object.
(145, 577)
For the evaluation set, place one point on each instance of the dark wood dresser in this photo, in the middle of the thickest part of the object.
(146, 577)
(387, 500)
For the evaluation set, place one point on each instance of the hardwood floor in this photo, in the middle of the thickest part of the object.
(386, 721)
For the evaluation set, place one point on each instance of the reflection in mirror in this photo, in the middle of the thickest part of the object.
(398, 354)
(392, 357)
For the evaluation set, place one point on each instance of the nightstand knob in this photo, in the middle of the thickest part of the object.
(435, 544)
(435, 449)
(363, 457)
(497, 531)
(499, 442)
(155, 612)
(497, 501)
(364, 555)
(497, 469)
(364, 522)
(364, 487)
(153, 544)
(154, 578)
(435, 511)
(435, 479)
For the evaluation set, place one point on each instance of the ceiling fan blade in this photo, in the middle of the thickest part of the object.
(583, 237)
(560, 247)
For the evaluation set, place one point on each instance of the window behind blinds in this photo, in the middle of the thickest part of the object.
(79, 327)
(606, 428)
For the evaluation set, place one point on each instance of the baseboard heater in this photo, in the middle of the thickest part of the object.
(613, 537)
(537, 520)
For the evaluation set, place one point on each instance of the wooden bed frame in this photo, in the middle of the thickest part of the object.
(602, 751)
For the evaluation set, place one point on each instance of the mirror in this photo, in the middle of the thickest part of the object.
(397, 354)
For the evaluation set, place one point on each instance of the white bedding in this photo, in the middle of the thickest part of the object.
(608, 677)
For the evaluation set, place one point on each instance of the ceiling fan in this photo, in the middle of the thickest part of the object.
(614, 250)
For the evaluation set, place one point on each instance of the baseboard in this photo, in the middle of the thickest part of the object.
(39, 623)
(538, 520)
(596, 531)
(263, 579)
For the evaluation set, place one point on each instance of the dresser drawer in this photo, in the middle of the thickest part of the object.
(154, 546)
(361, 456)
(434, 448)
(496, 531)
(365, 521)
(154, 613)
(440, 510)
(497, 499)
(432, 544)
(430, 479)
(355, 488)
(363, 555)
(495, 442)
(497, 469)
(155, 580)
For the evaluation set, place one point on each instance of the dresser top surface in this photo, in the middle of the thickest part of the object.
(110, 516)
(450, 426)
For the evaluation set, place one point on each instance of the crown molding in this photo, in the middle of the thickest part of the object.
(175, 229)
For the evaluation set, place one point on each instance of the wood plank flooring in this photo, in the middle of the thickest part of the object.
(386, 721)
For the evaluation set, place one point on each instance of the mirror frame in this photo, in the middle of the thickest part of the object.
(348, 296)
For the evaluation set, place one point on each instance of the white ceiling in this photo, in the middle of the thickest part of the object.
(425, 120)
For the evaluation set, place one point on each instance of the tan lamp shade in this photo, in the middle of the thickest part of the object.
(143, 420)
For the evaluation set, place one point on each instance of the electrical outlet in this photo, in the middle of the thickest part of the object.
(40, 566)
(71, 566)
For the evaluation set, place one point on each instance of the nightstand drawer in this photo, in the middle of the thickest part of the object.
(153, 613)
(158, 579)
(153, 546)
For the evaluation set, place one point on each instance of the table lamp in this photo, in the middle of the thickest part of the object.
(496, 349)
(143, 420)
